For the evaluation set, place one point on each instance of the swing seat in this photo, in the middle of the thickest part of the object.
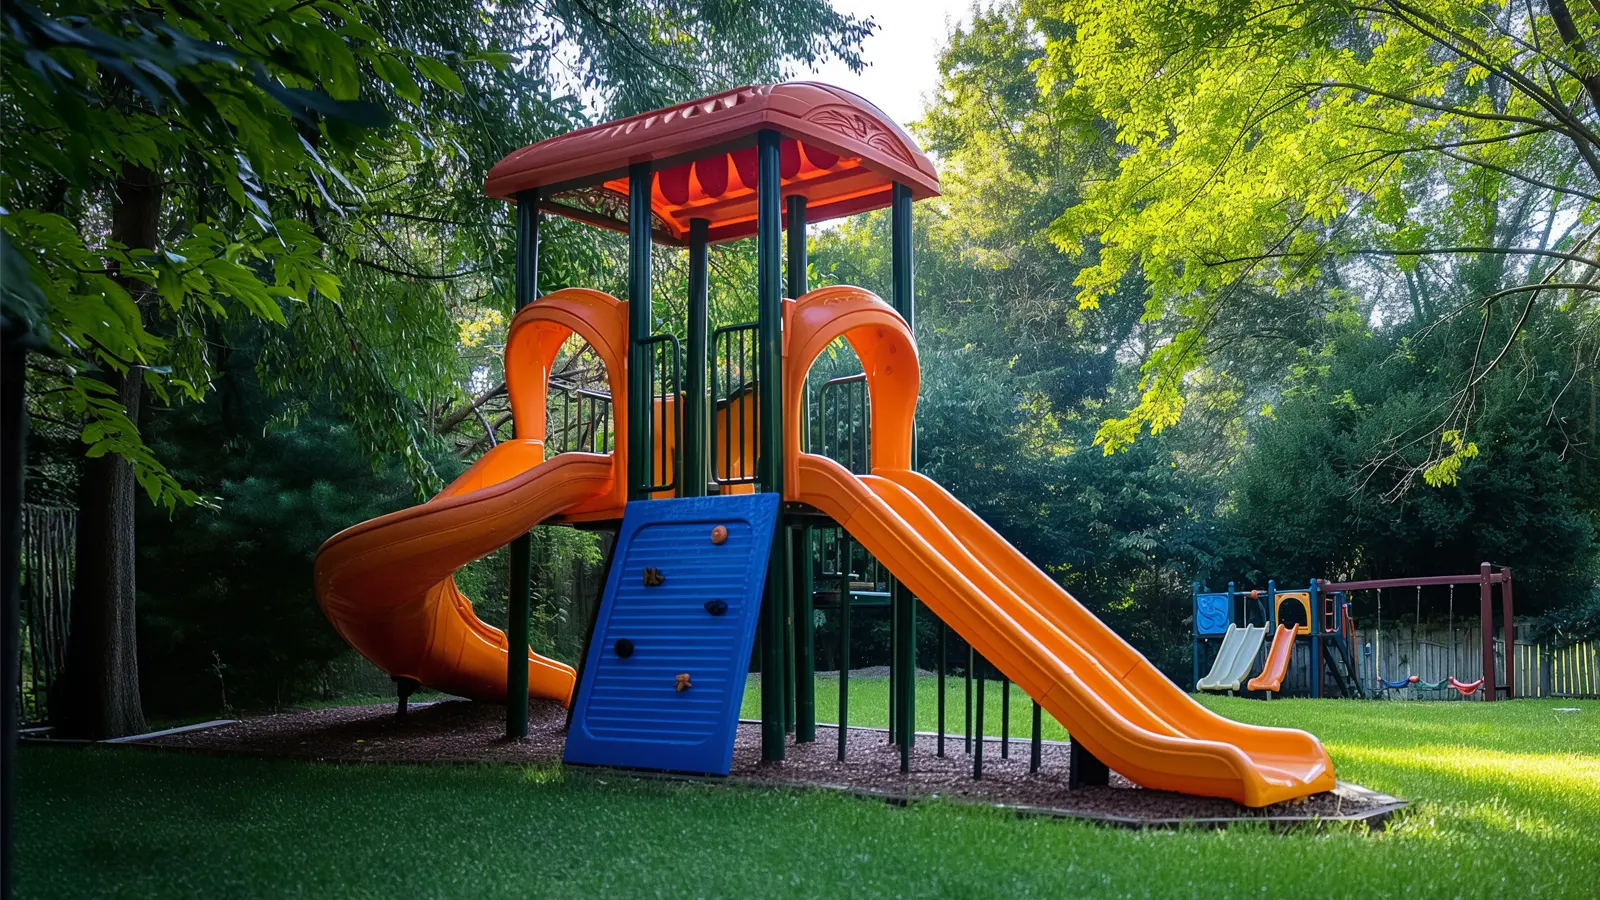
(1434, 685)
(1465, 689)
(1397, 685)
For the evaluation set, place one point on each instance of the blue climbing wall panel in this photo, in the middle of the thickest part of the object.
(697, 619)
(1213, 613)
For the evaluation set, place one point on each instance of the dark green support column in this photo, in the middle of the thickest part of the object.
(905, 605)
(519, 601)
(844, 660)
(1038, 741)
(972, 656)
(696, 427)
(769, 461)
(805, 652)
(639, 326)
(1005, 717)
(943, 671)
(805, 687)
(977, 721)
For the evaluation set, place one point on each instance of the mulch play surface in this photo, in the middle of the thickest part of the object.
(456, 731)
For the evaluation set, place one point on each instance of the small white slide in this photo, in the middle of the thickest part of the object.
(1239, 649)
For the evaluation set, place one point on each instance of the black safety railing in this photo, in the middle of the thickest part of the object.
(662, 464)
(735, 404)
(578, 419)
(841, 423)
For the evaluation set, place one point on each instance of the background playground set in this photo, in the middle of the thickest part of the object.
(731, 478)
(1310, 642)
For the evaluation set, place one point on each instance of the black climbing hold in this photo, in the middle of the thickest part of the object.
(623, 648)
(716, 607)
(653, 577)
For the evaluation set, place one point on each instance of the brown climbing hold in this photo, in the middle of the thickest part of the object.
(683, 682)
(653, 577)
(719, 534)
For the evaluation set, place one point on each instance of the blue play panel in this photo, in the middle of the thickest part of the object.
(664, 677)
(1213, 613)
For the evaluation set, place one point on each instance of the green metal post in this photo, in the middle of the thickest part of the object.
(805, 726)
(977, 721)
(805, 688)
(519, 601)
(844, 659)
(1038, 741)
(905, 605)
(1005, 717)
(640, 413)
(769, 431)
(972, 656)
(944, 651)
(696, 462)
(789, 661)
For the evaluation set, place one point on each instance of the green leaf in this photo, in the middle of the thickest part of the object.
(438, 73)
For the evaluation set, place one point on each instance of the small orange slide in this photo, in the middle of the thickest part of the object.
(1271, 677)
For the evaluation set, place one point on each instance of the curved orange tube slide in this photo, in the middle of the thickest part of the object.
(387, 585)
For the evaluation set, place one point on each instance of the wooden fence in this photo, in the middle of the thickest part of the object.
(1432, 652)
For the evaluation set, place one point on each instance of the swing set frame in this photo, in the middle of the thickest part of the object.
(1487, 577)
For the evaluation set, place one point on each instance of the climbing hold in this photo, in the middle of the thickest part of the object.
(716, 607)
(623, 648)
(653, 577)
(719, 534)
(683, 682)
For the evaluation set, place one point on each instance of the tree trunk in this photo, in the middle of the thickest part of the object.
(100, 684)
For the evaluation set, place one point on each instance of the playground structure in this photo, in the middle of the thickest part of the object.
(707, 436)
(1310, 619)
(1356, 661)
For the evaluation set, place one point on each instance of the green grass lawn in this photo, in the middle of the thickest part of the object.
(1507, 805)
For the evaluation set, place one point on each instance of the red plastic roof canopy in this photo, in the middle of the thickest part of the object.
(837, 150)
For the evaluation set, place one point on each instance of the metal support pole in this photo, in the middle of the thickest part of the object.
(1509, 631)
(977, 721)
(805, 633)
(972, 655)
(1486, 616)
(769, 432)
(1005, 717)
(1038, 738)
(520, 596)
(944, 653)
(640, 403)
(696, 428)
(905, 605)
(844, 659)
(790, 662)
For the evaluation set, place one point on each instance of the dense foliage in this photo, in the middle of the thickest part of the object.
(1215, 291)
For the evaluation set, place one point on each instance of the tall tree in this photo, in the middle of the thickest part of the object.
(1440, 156)
(316, 165)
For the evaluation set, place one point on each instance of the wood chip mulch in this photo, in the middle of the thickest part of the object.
(456, 731)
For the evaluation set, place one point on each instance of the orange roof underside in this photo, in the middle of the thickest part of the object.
(837, 150)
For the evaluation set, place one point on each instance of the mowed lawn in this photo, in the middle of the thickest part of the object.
(1507, 804)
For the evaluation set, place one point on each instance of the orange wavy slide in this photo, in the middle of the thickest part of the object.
(1271, 677)
(387, 585)
(1106, 694)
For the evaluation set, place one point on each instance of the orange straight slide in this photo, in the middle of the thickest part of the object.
(1105, 692)
(1271, 677)
(387, 585)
